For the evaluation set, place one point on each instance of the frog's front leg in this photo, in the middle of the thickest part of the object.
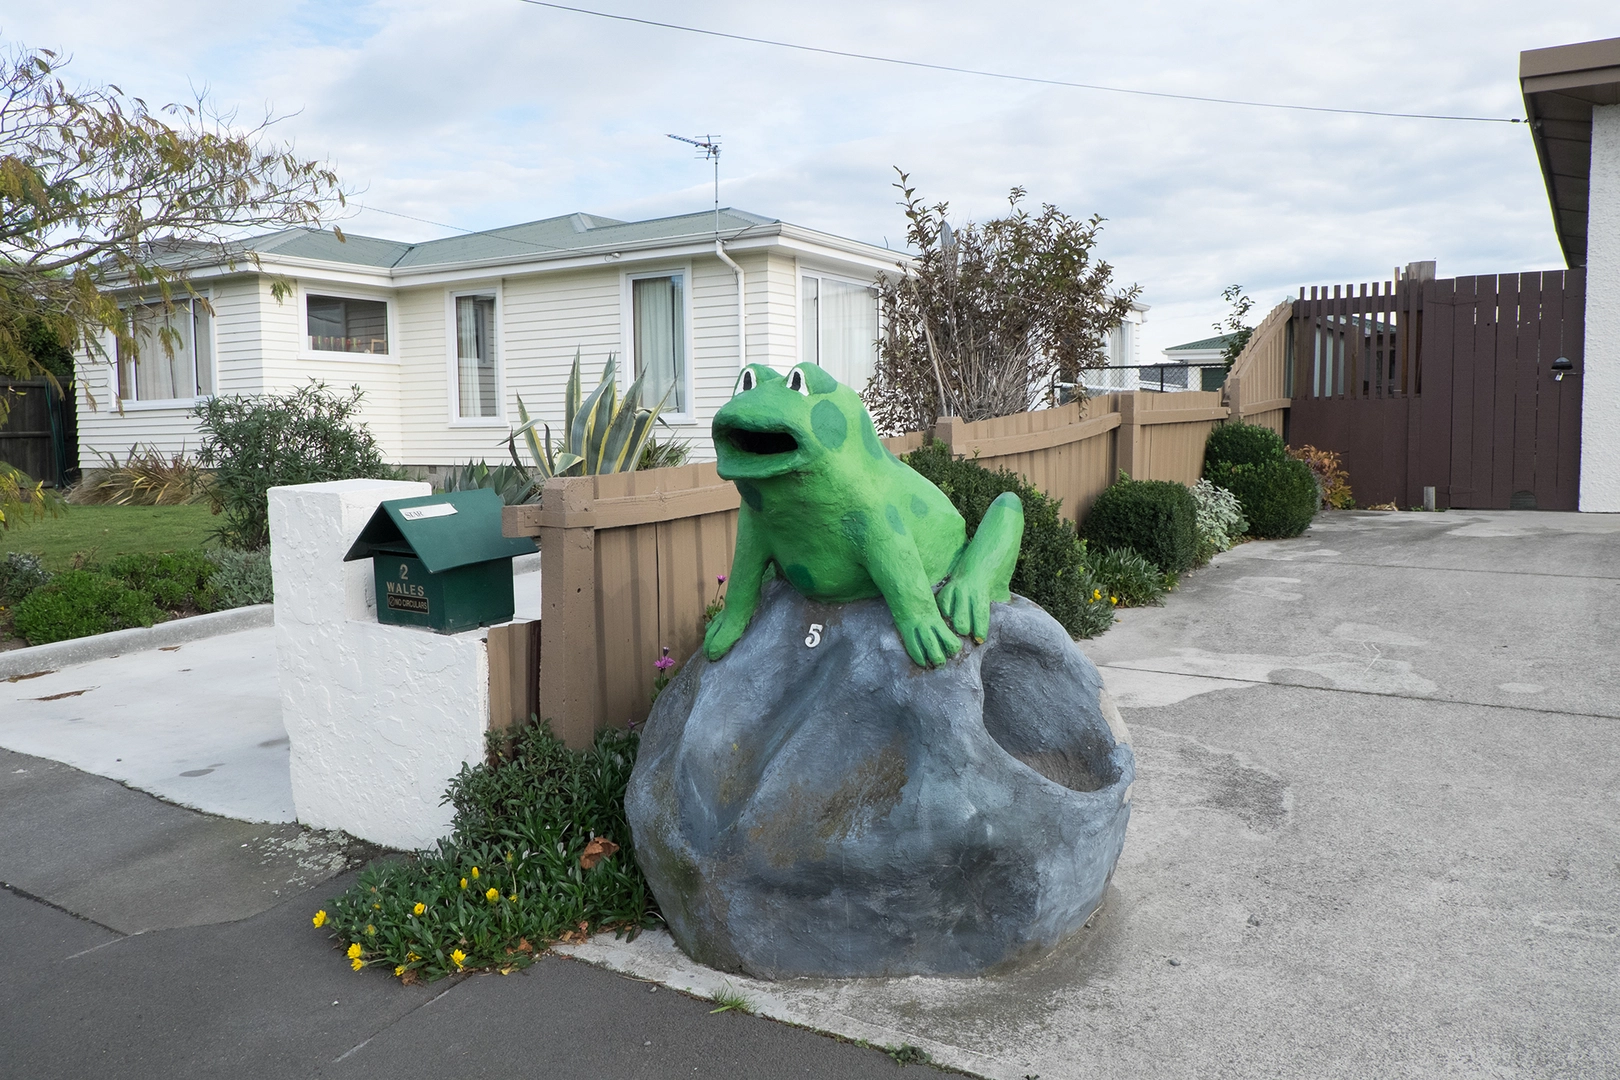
(898, 572)
(742, 588)
(983, 572)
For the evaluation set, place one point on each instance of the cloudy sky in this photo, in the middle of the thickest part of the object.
(480, 113)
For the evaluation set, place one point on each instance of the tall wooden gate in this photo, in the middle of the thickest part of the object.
(39, 434)
(1447, 384)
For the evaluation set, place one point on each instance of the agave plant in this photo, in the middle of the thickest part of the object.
(600, 434)
(513, 483)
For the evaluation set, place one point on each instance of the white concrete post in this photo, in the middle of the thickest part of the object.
(379, 718)
(1600, 390)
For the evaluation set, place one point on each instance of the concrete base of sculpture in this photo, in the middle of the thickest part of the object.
(815, 804)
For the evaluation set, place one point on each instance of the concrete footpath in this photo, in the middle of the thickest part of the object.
(1374, 835)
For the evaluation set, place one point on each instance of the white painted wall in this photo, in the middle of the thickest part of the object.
(379, 718)
(1600, 392)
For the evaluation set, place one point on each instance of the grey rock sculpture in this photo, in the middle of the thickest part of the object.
(814, 804)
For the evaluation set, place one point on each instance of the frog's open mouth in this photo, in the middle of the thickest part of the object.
(761, 443)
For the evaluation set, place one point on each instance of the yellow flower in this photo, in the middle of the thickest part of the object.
(354, 951)
(513, 898)
(418, 909)
(376, 907)
(510, 855)
(357, 963)
(493, 895)
(475, 873)
(320, 918)
(457, 957)
(411, 956)
(1113, 599)
(398, 971)
(371, 930)
(463, 883)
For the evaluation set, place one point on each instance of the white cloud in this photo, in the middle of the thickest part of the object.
(487, 112)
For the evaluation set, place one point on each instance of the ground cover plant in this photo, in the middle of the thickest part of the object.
(1220, 520)
(1155, 518)
(88, 533)
(78, 603)
(1052, 568)
(539, 852)
(241, 578)
(1278, 493)
(1130, 579)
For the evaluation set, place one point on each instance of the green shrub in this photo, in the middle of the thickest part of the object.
(20, 574)
(523, 825)
(513, 483)
(1220, 519)
(241, 578)
(1243, 444)
(1279, 498)
(78, 603)
(1129, 579)
(257, 443)
(1156, 518)
(176, 580)
(1051, 567)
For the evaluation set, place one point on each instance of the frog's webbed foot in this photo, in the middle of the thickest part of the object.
(723, 632)
(983, 572)
(928, 639)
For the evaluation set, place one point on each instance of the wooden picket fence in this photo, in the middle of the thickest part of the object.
(630, 561)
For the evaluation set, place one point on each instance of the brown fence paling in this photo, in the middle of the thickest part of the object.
(1259, 388)
(629, 561)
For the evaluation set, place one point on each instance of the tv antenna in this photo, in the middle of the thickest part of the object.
(709, 147)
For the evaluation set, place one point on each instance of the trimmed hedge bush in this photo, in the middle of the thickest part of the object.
(1279, 498)
(1156, 518)
(1051, 567)
(1243, 444)
(176, 580)
(78, 603)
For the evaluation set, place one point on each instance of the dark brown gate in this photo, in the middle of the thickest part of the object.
(1447, 384)
(39, 434)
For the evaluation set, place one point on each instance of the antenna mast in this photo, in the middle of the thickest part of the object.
(709, 148)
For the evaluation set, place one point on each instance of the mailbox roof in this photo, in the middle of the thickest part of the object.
(470, 532)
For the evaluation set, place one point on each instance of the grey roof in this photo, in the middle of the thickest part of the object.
(1561, 85)
(1220, 341)
(548, 236)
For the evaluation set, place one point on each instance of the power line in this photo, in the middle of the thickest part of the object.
(1020, 78)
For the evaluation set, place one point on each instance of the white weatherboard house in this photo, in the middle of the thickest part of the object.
(444, 336)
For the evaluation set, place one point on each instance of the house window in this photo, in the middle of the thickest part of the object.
(658, 329)
(343, 324)
(839, 328)
(172, 358)
(477, 392)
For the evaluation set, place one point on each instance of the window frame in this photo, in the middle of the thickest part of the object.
(347, 292)
(453, 417)
(803, 271)
(146, 405)
(627, 322)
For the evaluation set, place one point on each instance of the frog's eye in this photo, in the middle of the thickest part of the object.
(796, 382)
(745, 382)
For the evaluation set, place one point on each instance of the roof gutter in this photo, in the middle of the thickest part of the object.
(742, 315)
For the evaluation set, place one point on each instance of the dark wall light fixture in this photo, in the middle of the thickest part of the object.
(1561, 367)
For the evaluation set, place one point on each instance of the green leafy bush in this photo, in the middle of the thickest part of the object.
(1129, 579)
(1051, 567)
(1156, 518)
(176, 580)
(241, 578)
(20, 574)
(1279, 498)
(540, 850)
(1243, 444)
(257, 443)
(1220, 519)
(78, 603)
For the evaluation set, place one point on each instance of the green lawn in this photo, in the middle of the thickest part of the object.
(100, 532)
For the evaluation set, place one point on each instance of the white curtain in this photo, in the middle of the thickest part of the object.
(202, 340)
(849, 331)
(810, 316)
(161, 366)
(475, 356)
(660, 339)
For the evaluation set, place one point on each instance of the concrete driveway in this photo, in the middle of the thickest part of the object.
(1376, 827)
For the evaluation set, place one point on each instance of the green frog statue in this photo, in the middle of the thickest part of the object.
(842, 519)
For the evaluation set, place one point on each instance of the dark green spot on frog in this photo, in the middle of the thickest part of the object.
(847, 520)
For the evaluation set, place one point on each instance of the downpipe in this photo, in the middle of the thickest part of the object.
(742, 317)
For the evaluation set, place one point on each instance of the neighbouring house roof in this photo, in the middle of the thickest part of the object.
(1561, 85)
(1220, 341)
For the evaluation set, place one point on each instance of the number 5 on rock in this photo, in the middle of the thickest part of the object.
(815, 636)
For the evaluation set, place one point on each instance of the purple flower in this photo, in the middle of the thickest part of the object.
(720, 578)
(664, 663)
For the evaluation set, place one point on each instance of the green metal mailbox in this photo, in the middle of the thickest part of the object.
(440, 561)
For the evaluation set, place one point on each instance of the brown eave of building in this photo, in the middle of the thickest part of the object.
(1560, 85)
